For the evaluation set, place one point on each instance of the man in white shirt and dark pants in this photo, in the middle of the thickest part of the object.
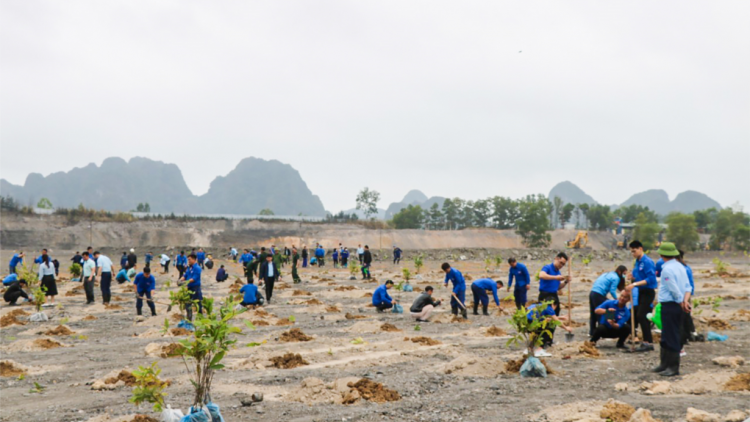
(89, 276)
(104, 271)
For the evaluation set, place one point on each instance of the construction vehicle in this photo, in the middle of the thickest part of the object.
(581, 240)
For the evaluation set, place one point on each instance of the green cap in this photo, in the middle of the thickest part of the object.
(668, 249)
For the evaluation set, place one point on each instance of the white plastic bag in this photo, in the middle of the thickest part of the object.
(39, 317)
(171, 415)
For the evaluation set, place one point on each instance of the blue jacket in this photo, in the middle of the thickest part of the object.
(221, 274)
(335, 254)
(194, 273)
(122, 275)
(622, 315)
(607, 283)
(149, 258)
(143, 283)
(690, 278)
(320, 252)
(549, 286)
(381, 295)
(397, 253)
(15, 260)
(455, 277)
(644, 269)
(488, 284)
(124, 261)
(674, 282)
(250, 293)
(181, 260)
(344, 254)
(658, 266)
(532, 312)
(521, 274)
(201, 256)
(7, 281)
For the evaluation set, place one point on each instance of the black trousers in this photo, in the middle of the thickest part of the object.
(105, 283)
(546, 296)
(12, 297)
(383, 306)
(361, 258)
(595, 299)
(181, 269)
(546, 337)
(139, 302)
(671, 326)
(269, 287)
(88, 287)
(645, 299)
(396, 260)
(603, 331)
(688, 328)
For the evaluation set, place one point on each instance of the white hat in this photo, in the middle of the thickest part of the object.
(132, 250)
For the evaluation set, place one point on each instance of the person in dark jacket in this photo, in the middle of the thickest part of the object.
(268, 274)
(77, 258)
(15, 291)
(366, 262)
(397, 254)
(423, 305)
(295, 264)
(304, 256)
(124, 261)
(221, 274)
(132, 259)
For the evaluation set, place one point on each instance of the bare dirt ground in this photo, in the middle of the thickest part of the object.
(457, 373)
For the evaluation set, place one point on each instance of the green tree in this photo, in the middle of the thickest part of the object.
(533, 222)
(435, 217)
(645, 231)
(630, 213)
(411, 217)
(451, 214)
(266, 211)
(741, 237)
(704, 218)
(481, 212)
(467, 214)
(585, 208)
(599, 217)
(727, 229)
(367, 202)
(504, 212)
(682, 230)
(44, 203)
(566, 213)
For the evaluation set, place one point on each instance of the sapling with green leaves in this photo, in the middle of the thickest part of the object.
(530, 333)
(721, 267)
(181, 298)
(75, 270)
(487, 264)
(418, 263)
(149, 388)
(498, 262)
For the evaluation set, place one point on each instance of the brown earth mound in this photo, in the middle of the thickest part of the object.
(352, 316)
(344, 288)
(8, 369)
(374, 391)
(11, 318)
(180, 331)
(301, 293)
(368, 294)
(143, 418)
(332, 309)
(260, 323)
(460, 320)
(389, 327)
(589, 349)
(45, 343)
(283, 322)
(176, 317)
(110, 307)
(60, 330)
(514, 366)
(719, 324)
(616, 411)
(171, 350)
(125, 376)
(425, 341)
(90, 318)
(293, 335)
(289, 361)
(495, 332)
(261, 312)
(739, 382)
(314, 301)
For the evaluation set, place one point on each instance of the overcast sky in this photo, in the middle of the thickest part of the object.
(462, 98)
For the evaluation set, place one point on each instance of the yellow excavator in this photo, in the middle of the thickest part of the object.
(581, 240)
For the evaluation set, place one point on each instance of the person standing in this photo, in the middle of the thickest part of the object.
(145, 284)
(89, 277)
(47, 276)
(193, 278)
(253, 266)
(132, 259)
(335, 257)
(77, 259)
(233, 253)
(607, 283)
(674, 298)
(201, 255)
(397, 254)
(40, 258)
(124, 261)
(523, 282)
(104, 272)
(269, 273)
(320, 255)
(304, 256)
(360, 253)
(644, 279)
(459, 289)
(295, 264)
(149, 258)
(15, 260)
(688, 326)
(549, 281)
(366, 262)
(181, 263)
(345, 258)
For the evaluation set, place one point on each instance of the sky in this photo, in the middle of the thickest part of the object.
(465, 99)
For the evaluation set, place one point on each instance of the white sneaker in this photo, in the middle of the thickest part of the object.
(683, 353)
(542, 354)
(657, 331)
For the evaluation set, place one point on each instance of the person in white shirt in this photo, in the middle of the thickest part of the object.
(89, 276)
(360, 254)
(47, 276)
(165, 262)
(104, 271)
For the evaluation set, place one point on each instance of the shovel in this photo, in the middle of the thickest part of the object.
(169, 305)
(632, 326)
(569, 336)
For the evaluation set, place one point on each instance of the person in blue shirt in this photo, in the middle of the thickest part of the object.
(243, 258)
(149, 258)
(345, 258)
(674, 298)
(479, 290)
(201, 257)
(15, 260)
(523, 281)
(40, 258)
(607, 283)
(145, 284)
(614, 320)
(122, 276)
(658, 267)
(538, 311)
(335, 257)
(221, 274)
(320, 255)
(193, 278)
(459, 289)
(688, 326)
(250, 295)
(397, 254)
(643, 278)
(381, 299)
(7, 281)
(181, 263)
(233, 253)
(549, 281)
(124, 260)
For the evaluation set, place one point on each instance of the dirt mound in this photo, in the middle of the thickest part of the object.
(60, 330)
(373, 391)
(260, 312)
(283, 322)
(110, 307)
(301, 293)
(163, 350)
(514, 366)
(90, 318)
(294, 335)
(77, 290)
(460, 320)
(368, 294)
(314, 301)
(12, 318)
(719, 324)
(332, 309)
(143, 418)
(9, 369)
(575, 411)
(46, 344)
(741, 315)
(425, 341)
(180, 331)
(389, 328)
(739, 382)
(495, 332)
(344, 288)
(364, 327)
(352, 316)
(176, 317)
(288, 361)
(616, 411)
(589, 350)
(260, 323)
(125, 376)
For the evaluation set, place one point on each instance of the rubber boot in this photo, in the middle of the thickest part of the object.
(454, 310)
(153, 312)
(673, 364)
(484, 310)
(476, 309)
(662, 361)
(139, 311)
(463, 313)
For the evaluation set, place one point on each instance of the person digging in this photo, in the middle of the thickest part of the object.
(479, 289)
(458, 295)
(145, 284)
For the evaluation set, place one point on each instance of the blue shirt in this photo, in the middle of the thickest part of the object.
(181, 260)
(15, 260)
(10, 279)
(521, 274)
(122, 275)
(689, 272)
(674, 282)
(488, 284)
(201, 256)
(320, 252)
(381, 295)
(644, 269)
(658, 267)
(149, 258)
(622, 315)
(533, 312)
(143, 283)
(549, 286)
(344, 254)
(194, 273)
(249, 292)
(397, 253)
(335, 254)
(455, 277)
(124, 261)
(607, 283)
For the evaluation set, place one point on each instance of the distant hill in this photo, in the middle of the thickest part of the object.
(119, 185)
(656, 200)
(414, 197)
(570, 194)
